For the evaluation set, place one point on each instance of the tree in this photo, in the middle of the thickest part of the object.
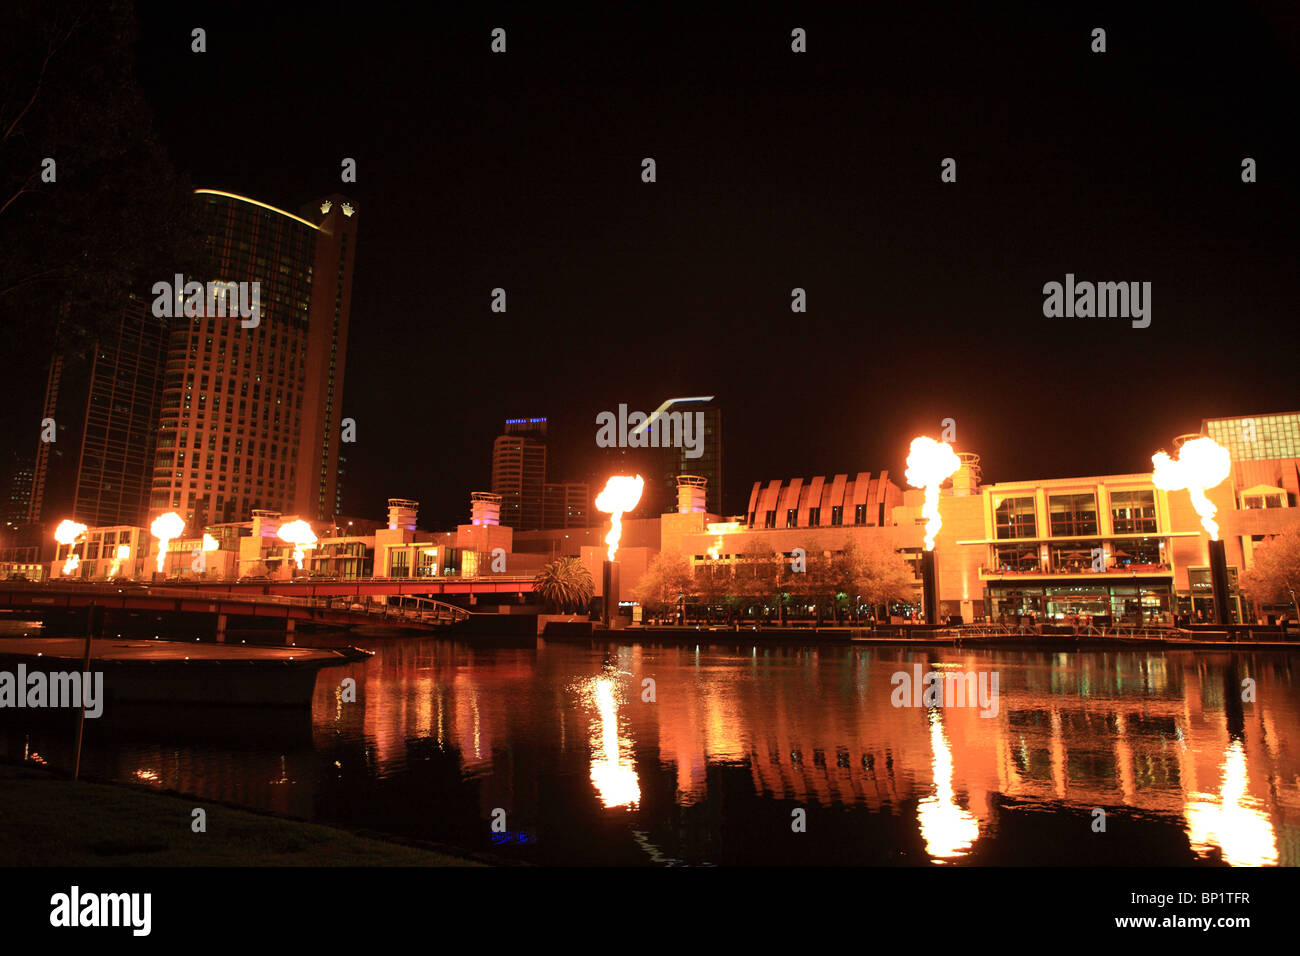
(666, 581)
(115, 215)
(712, 583)
(884, 575)
(565, 585)
(1274, 578)
(814, 585)
(757, 570)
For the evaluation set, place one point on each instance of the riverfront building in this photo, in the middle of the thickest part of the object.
(1112, 547)
(250, 416)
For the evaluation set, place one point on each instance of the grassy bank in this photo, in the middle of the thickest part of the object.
(50, 821)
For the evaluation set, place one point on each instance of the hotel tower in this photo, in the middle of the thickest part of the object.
(250, 416)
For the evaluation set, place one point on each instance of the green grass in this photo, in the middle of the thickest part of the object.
(50, 821)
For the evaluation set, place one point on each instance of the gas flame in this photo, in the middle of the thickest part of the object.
(68, 532)
(123, 552)
(716, 549)
(299, 534)
(165, 528)
(1201, 464)
(929, 464)
(210, 543)
(621, 493)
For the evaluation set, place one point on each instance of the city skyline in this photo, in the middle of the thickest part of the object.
(864, 442)
(684, 286)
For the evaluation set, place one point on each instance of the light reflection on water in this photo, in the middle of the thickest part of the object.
(441, 734)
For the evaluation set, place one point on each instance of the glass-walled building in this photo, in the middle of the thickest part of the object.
(1097, 547)
(250, 416)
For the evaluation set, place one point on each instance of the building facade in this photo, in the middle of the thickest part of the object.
(519, 472)
(250, 416)
(102, 401)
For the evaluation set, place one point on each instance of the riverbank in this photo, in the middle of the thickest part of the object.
(919, 635)
(47, 820)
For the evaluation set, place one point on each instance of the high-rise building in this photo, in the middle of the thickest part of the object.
(18, 488)
(251, 415)
(102, 399)
(565, 504)
(519, 473)
(674, 461)
(520, 459)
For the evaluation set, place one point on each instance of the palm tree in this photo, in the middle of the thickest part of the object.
(565, 585)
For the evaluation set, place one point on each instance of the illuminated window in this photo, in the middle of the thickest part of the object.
(1072, 515)
(1133, 512)
(1014, 518)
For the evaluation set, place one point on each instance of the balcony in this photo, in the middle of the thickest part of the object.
(1081, 569)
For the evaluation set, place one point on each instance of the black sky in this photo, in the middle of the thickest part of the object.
(775, 170)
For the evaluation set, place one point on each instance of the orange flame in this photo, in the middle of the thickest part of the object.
(123, 552)
(1201, 464)
(299, 534)
(166, 527)
(621, 493)
(68, 532)
(929, 464)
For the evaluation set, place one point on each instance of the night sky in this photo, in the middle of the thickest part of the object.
(775, 170)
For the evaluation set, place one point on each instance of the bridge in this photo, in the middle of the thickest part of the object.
(343, 610)
(361, 588)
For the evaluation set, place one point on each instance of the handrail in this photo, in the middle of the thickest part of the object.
(438, 610)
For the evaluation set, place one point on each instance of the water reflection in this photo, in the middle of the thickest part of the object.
(1235, 823)
(612, 770)
(948, 830)
(439, 734)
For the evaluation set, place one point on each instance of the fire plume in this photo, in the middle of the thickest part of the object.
(166, 527)
(1201, 464)
(621, 493)
(929, 464)
(68, 532)
(299, 534)
(123, 552)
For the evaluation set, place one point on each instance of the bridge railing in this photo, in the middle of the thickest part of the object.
(425, 609)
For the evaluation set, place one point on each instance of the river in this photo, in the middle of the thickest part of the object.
(734, 755)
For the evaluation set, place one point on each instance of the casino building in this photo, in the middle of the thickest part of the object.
(250, 417)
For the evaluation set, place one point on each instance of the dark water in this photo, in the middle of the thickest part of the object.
(443, 734)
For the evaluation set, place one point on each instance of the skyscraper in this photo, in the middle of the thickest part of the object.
(708, 464)
(250, 415)
(102, 396)
(18, 488)
(519, 472)
(565, 504)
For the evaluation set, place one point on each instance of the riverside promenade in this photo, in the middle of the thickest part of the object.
(1042, 637)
